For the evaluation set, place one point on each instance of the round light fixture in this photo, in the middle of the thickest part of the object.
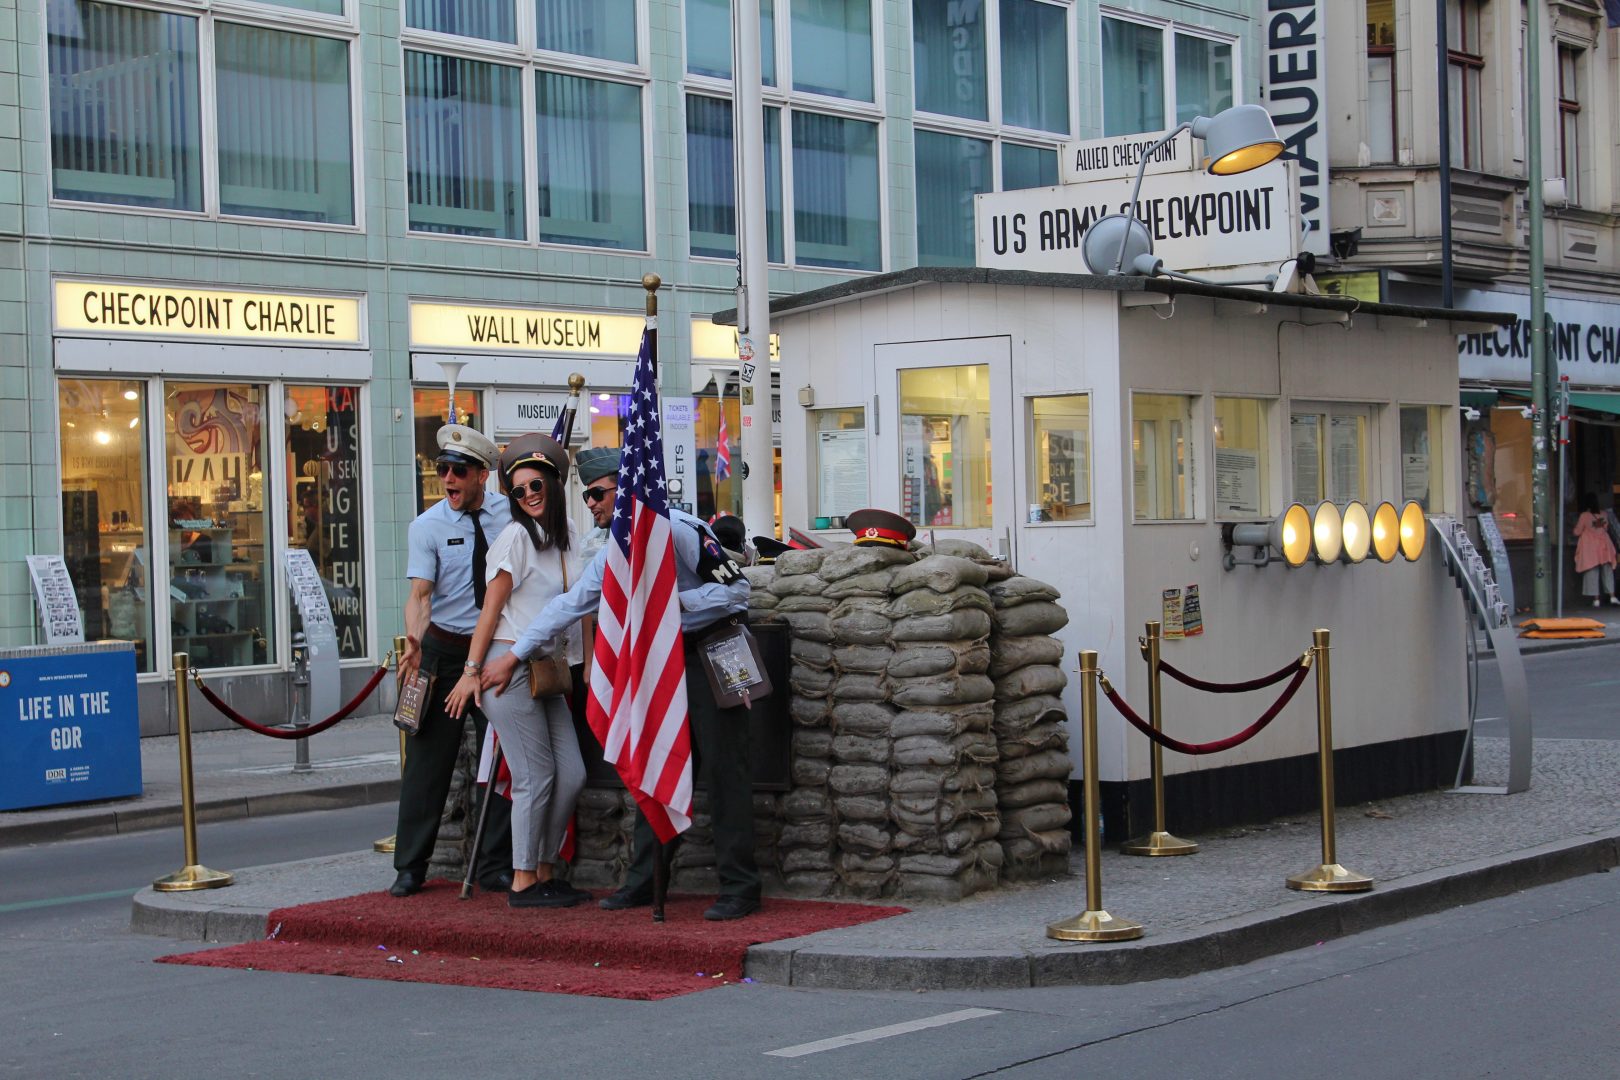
(1386, 532)
(1357, 533)
(1414, 531)
(1293, 539)
(1238, 139)
(1327, 532)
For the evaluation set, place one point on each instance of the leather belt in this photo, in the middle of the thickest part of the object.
(449, 637)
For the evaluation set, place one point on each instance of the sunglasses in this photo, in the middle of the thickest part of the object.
(444, 467)
(533, 487)
(597, 494)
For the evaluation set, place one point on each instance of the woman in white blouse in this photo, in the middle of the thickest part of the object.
(534, 559)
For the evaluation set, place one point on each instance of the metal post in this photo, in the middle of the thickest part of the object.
(1443, 99)
(1159, 841)
(300, 703)
(386, 845)
(1329, 876)
(1542, 517)
(1563, 475)
(192, 875)
(758, 469)
(1093, 924)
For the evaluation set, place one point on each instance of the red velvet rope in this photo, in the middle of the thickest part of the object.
(289, 733)
(1231, 688)
(1218, 745)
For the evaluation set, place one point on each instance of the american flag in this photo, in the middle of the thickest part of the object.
(1612, 7)
(722, 457)
(637, 703)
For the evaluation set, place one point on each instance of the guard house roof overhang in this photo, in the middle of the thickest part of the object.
(1134, 291)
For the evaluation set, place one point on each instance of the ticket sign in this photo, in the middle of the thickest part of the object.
(460, 328)
(104, 307)
(1198, 221)
(69, 726)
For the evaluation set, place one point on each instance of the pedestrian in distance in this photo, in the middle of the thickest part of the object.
(1595, 554)
(532, 560)
(448, 551)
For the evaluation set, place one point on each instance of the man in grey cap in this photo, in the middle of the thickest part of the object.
(599, 472)
(447, 545)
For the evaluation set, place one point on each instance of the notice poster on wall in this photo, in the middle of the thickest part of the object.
(841, 467)
(1173, 628)
(1415, 477)
(1192, 612)
(1344, 442)
(1305, 438)
(320, 632)
(58, 604)
(1237, 481)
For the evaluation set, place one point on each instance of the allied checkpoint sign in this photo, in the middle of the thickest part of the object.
(1219, 226)
(69, 725)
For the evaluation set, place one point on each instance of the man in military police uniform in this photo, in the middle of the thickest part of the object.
(447, 548)
(712, 591)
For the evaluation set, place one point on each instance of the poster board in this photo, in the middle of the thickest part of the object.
(57, 602)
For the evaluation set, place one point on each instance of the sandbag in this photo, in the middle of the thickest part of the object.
(1008, 654)
(811, 772)
(1015, 796)
(858, 687)
(1019, 589)
(1034, 819)
(875, 583)
(868, 658)
(1032, 740)
(910, 661)
(924, 750)
(808, 682)
(1032, 681)
(925, 779)
(811, 625)
(863, 808)
(812, 834)
(1046, 765)
(862, 836)
(856, 627)
(941, 690)
(940, 573)
(817, 654)
(964, 549)
(861, 748)
(941, 722)
(965, 625)
(807, 561)
(812, 883)
(1039, 617)
(1017, 715)
(807, 712)
(843, 562)
(806, 858)
(804, 603)
(812, 742)
(862, 718)
(928, 602)
(806, 804)
(846, 780)
(800, 585)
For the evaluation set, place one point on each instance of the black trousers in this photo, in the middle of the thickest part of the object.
(430, 763)
(720, 746)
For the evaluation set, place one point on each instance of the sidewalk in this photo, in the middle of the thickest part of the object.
(1224, 906)
(236, 774)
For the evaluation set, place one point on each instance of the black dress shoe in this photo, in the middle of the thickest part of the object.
(501, 882)
(619, 899)
(731, 907)
(408, 882)
(542, 894)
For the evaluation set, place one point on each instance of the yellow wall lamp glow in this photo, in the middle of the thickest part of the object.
(1328, 535)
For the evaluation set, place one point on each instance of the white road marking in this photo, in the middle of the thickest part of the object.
(354, 761)
(874, 1034)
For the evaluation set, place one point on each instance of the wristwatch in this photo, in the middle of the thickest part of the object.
(470, 668)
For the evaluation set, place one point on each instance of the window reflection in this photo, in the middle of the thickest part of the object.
(323, 501)
(945, 446)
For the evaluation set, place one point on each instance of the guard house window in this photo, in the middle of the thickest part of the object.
(590, 145)
(1329, 448)
(945, 446)
(1060, 458)
(1200, 76)
(323, 502)
(711, 188)
(1571, 65)
(430, 411)
(841, 484)
(105, 542)
(464, 146)
(128, 102)
(708, 39)
(1163, 473)
(1381, 124)
(1242, 458)
(1422, 463)
(1465, 68)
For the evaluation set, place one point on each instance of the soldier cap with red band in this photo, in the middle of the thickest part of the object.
(881, 528)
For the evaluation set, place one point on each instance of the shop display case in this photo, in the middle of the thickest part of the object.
(215, 595)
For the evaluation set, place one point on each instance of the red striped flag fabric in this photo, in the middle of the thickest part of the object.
(722, 456)
(637, 701)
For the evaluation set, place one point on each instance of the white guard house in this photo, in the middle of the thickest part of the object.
(1103, 434)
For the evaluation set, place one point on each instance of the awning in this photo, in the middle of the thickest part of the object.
(1472, 398)
(1595, 402)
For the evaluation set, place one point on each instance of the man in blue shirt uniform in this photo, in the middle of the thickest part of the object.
(713, 592)
(447, 548)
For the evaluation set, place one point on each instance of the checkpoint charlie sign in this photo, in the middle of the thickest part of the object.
(1198, 221)
(1119, 156)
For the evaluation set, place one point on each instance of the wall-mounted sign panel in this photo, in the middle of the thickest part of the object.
(113, 308)
(1583, 340)
(711, 342)
(1121, 155)
(1199, 222)
(459, 327)
(1296, 95)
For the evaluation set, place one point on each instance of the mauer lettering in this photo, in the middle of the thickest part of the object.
(1293, 73)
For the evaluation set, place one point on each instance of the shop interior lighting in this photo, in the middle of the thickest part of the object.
(1386, 532)
(1236, 140)
(1327, 532)
(1288, 534)
(1357, 533)
(1414, 531)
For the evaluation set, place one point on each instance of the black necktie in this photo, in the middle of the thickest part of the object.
(480, 550)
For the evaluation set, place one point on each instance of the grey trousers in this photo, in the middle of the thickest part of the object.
(537, 737)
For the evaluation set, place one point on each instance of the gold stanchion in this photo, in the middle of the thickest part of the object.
(385, 846)
(1329, 876)
(1093, 924)
(1159, 841)
(192, 875)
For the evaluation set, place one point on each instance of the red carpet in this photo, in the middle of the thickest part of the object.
(436, 937)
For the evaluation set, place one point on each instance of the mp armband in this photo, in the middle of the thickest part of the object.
(713, 562)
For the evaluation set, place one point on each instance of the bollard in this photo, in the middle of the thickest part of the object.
(300, 700)
(1093, 924)
(385, 846)
(1329, 876)
(1159, 841)
(192, 875)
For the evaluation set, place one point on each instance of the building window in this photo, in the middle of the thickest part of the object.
(591, 176)
(1162, 456)
(1571, 64)
(951, 169)
(842, 476)
(1465, 70)
(1203, 77)
(489, 20)
(105, 542)
(836, 218)
(1381, 125)
(1422, 463)
(1027, 167)
(708, 39)
(429, 412)
(832, 48)
(323, 502)
(604, 29)
(1329, 447)
(1034, 66)
(945, 446)
(1242, 458)
(1138, 80)
(464, 146)
(711, 186)
(1060, 458)
(948, 53)
(128, 101)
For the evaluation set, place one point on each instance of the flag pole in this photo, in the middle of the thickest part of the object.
(651, 282)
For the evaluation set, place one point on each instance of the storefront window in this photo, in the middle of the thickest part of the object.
(711, 185)
(605, 29)
(841, 465)
(220, 607)
(951, 170)
(718, 475)
(491, 20)
(835, 192)
(464, 146)
(590, 154)
(1421, 460)
(832, 47)
(430, 411)
(1060, 458)
(945, 446)
(104, 509)
(1242, 458)
(708, 39)
(1511, 466)
(1161, 456)
(323, 502)
(1329, 446)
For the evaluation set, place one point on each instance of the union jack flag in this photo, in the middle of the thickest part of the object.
(722, 457)
(637, 703)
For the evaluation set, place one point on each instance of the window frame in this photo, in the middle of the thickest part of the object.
(1026, 468)
(1192, 439)
(345, 28)
(1170, 29)
(1470, 107)
(1268, 450)
(1571, 128)
(1372, 475)
(1386, 53)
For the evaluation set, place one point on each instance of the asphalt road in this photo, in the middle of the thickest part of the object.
(1574, 694)
(1521, 986)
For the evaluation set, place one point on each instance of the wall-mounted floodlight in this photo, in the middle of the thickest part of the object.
(1357, 533)
(1288, 533)
(1237, 140)
(1386, 532)
(1327, 532)
(1414, 530)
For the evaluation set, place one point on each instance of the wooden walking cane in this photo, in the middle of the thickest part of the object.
(483, 816)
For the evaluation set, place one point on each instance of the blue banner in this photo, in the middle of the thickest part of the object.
(69, 728)
(1613, 8)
